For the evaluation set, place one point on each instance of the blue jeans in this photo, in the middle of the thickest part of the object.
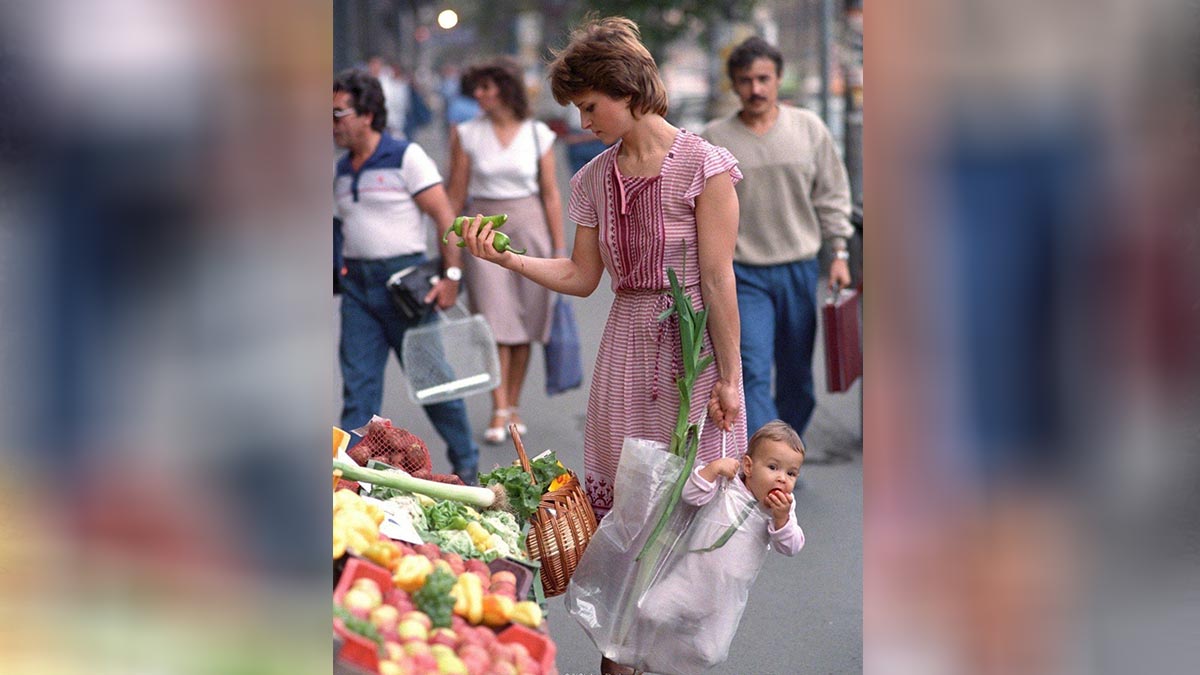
(371, 325)
(778, 309)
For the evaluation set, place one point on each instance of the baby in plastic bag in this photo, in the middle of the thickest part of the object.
(694, 607)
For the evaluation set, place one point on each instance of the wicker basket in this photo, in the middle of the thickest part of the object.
(560, 529)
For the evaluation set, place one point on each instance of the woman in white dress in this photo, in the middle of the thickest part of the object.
(502, 162)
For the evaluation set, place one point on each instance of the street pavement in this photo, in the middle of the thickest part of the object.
(804, 613)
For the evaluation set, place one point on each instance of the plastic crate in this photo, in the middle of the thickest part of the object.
(357, 649)
(524, 573)
(540, 647)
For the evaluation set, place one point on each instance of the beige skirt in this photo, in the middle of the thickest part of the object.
(518, 309)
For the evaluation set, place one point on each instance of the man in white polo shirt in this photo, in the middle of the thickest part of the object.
(381, 189)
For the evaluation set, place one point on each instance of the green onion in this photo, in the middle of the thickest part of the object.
(685, 441)
(725, 536)
(474, 496)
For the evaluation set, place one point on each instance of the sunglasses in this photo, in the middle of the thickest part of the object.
(339, 113)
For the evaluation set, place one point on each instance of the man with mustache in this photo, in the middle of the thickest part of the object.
(794, 196)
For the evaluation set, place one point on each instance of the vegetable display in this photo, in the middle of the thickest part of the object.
(460, 529)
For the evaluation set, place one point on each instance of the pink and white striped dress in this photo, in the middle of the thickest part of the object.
(647, 224)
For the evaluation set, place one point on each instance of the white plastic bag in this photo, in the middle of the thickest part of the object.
(608, 582)
(679, 616)
(690, 613)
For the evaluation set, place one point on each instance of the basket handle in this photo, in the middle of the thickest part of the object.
(516, 436)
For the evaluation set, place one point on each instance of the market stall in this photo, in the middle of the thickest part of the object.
(433, 576)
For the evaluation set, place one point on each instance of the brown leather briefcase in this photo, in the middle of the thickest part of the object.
(843, 341)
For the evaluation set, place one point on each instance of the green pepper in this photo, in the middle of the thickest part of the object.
(461, 221)
(501, 243)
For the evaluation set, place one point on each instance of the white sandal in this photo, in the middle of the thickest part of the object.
(497, 435)
(521, 428)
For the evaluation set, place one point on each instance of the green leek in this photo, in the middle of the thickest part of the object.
(728, 533)
(685, 441)
(478, 497)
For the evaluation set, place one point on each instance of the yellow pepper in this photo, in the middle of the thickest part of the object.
(382, 552)
(527, 613)
(561, 481)
(411, 572)
(358, 521)
(480, 537)
(356, 542)
(497, 610)
(468, 597)
(377, 514)
(345, 498)
(339, 544)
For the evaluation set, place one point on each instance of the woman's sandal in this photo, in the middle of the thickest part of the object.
(497, 435)
(521, 428)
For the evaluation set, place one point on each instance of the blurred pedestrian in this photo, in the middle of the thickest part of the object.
(459, 106)
(503, 162)
(382, 187)
(795, 195)
(396, 93)
(407, 109)
(658, 198)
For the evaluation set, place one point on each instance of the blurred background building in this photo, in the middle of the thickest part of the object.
(431, 39)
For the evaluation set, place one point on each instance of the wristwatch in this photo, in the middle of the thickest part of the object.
(454, 273)
(841, 254)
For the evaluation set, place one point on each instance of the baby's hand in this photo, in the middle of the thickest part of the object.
(780, 504)
(726, 466)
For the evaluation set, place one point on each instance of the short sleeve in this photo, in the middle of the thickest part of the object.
(579, 207)
(545, 137)
(418, 170)
(717, 160)
(466, 137)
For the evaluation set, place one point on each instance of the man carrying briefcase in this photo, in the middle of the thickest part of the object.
(795, 195)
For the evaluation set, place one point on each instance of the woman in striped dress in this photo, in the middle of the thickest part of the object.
(659, 197)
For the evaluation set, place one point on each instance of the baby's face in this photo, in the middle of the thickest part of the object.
(774, 465)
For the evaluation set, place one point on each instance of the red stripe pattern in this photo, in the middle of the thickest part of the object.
(647, 224)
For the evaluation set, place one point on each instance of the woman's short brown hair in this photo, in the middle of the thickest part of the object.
(506, 73)
(607, 55)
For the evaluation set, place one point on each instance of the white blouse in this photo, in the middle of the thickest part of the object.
(499, 172)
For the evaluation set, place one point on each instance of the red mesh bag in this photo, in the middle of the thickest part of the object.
(347, 484)
(398, 447)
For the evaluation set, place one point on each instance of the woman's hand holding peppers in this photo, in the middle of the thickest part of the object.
(480, 239)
